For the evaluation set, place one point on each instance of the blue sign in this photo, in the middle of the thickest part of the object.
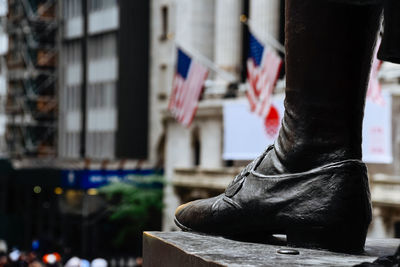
(85, 179)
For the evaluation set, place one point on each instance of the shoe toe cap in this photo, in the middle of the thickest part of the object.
(196, 215)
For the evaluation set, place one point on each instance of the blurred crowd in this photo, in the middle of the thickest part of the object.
(17, 258)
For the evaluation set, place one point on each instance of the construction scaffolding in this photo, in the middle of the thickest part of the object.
(31, 106)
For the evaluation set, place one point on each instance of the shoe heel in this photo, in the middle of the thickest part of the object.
(340, 239)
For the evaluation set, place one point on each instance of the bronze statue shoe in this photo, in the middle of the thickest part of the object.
(326, 207)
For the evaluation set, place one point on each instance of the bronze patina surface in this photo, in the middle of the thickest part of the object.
(311, 184)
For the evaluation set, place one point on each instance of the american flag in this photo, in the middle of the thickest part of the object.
(374, 92)
(263, 66)
(186, 89)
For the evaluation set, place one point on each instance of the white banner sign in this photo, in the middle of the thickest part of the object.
(377, 131)
(246, 135)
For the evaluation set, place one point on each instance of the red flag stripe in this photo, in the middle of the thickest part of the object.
(186, 92)
(197, 83)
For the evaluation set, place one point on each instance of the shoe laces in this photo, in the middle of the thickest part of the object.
(252, 165)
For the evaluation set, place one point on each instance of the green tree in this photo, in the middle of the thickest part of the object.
(135, 205)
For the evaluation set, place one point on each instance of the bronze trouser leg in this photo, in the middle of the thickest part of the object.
(328, 57)
(390, 46)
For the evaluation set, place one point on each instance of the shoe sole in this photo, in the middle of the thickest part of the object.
(332, 239)
(183, 228)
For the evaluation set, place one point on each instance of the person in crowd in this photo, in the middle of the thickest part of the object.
(99, 262)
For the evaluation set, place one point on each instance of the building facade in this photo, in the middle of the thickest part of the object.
(104, 80)
(99, 57)
(76, 99)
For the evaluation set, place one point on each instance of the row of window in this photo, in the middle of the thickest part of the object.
(98, 144)
(72, 97)
(72, 52)
(95, 5)
(73, 8)
(69, 144)
(99, 95)
(102, 46)
(99, 46)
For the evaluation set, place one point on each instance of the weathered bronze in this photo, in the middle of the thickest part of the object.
(311, 184)
(390, 46)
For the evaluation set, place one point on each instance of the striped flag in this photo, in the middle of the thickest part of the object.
(186, 89)
(263, 66)
(374, 92)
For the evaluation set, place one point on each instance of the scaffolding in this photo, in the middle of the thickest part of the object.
(31, 105)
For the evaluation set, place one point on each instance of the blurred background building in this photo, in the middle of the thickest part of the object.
(94, 85)
(74, 116)
(84, 90)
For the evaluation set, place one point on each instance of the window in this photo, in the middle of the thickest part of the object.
(72, 8)
(102, 46)
(73, 52)
(164, 21)
(96, 5)
(101, 95)
(73, 99)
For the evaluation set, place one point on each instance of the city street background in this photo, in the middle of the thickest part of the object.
(92, 153)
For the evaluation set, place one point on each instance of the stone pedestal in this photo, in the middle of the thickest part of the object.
(190, 249)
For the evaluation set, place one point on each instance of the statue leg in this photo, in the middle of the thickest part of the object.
(329, 48)
(311, 184)
(390, 46)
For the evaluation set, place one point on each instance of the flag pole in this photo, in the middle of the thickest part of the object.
(268, 39)
(212, 66)
(207, 62)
